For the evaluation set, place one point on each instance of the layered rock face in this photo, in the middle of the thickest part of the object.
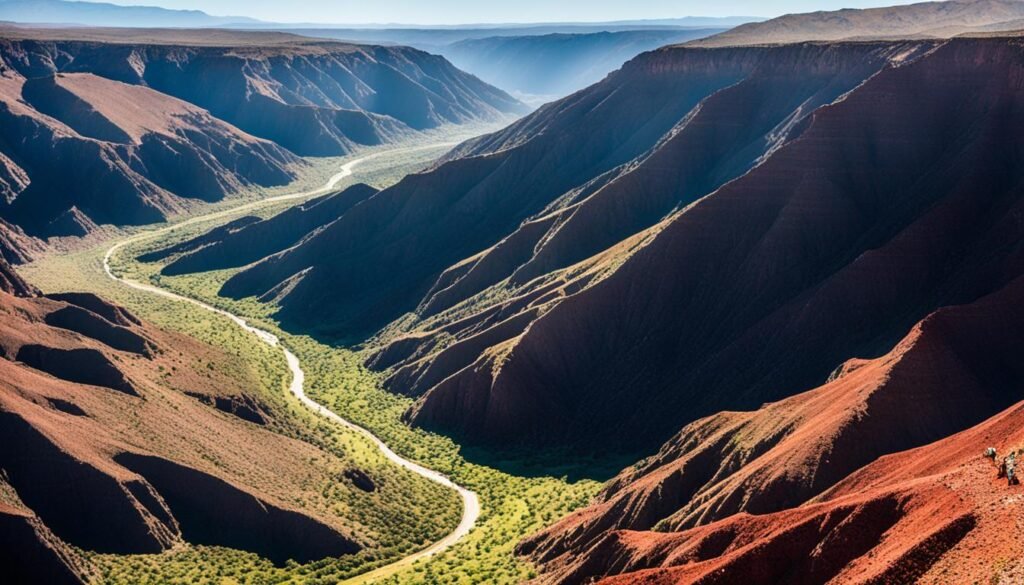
(124, 132)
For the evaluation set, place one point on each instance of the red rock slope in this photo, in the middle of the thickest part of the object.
(117, 437)
(954, 370)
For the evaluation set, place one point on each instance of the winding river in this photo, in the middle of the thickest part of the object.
(470, 501)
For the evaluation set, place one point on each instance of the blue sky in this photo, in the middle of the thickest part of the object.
(480, 11)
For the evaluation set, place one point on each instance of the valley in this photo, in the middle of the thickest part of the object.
(509, 506)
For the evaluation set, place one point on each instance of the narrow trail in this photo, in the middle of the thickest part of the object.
(470, 500)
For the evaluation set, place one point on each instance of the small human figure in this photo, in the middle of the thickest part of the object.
(990, 453)
(1009, 469)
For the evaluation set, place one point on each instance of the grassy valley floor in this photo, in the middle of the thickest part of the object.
(513, 504)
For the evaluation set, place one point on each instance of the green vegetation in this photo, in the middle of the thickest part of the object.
(512, 505)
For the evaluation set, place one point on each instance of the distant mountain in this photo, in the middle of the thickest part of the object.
(555, 65)
(926, 19)
(434, 37)
(437, 39)
(103, 14)
(536, 63)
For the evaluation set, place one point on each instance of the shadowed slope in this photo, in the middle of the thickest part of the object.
(832, 247)
(388, 253)
(254, 241)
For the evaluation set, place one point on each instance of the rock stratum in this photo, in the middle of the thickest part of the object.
(108, 126)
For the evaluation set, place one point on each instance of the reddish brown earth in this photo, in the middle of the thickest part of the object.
(958, 369)
(118, 437)
(12, 283)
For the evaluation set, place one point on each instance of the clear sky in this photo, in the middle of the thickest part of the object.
(490, 11)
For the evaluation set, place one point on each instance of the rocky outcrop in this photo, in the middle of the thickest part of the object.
(244, 407)
(89, 324)
(109, 311)
(212, 511)
(360, 479)
(84, 366)
(16, 247)
(61, 489)
(30, 553)
(12, 283)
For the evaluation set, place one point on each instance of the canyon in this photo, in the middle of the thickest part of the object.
(797, 282)
(114, 126)
(774, 277)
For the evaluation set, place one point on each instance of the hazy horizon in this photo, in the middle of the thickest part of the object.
(466, 12)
